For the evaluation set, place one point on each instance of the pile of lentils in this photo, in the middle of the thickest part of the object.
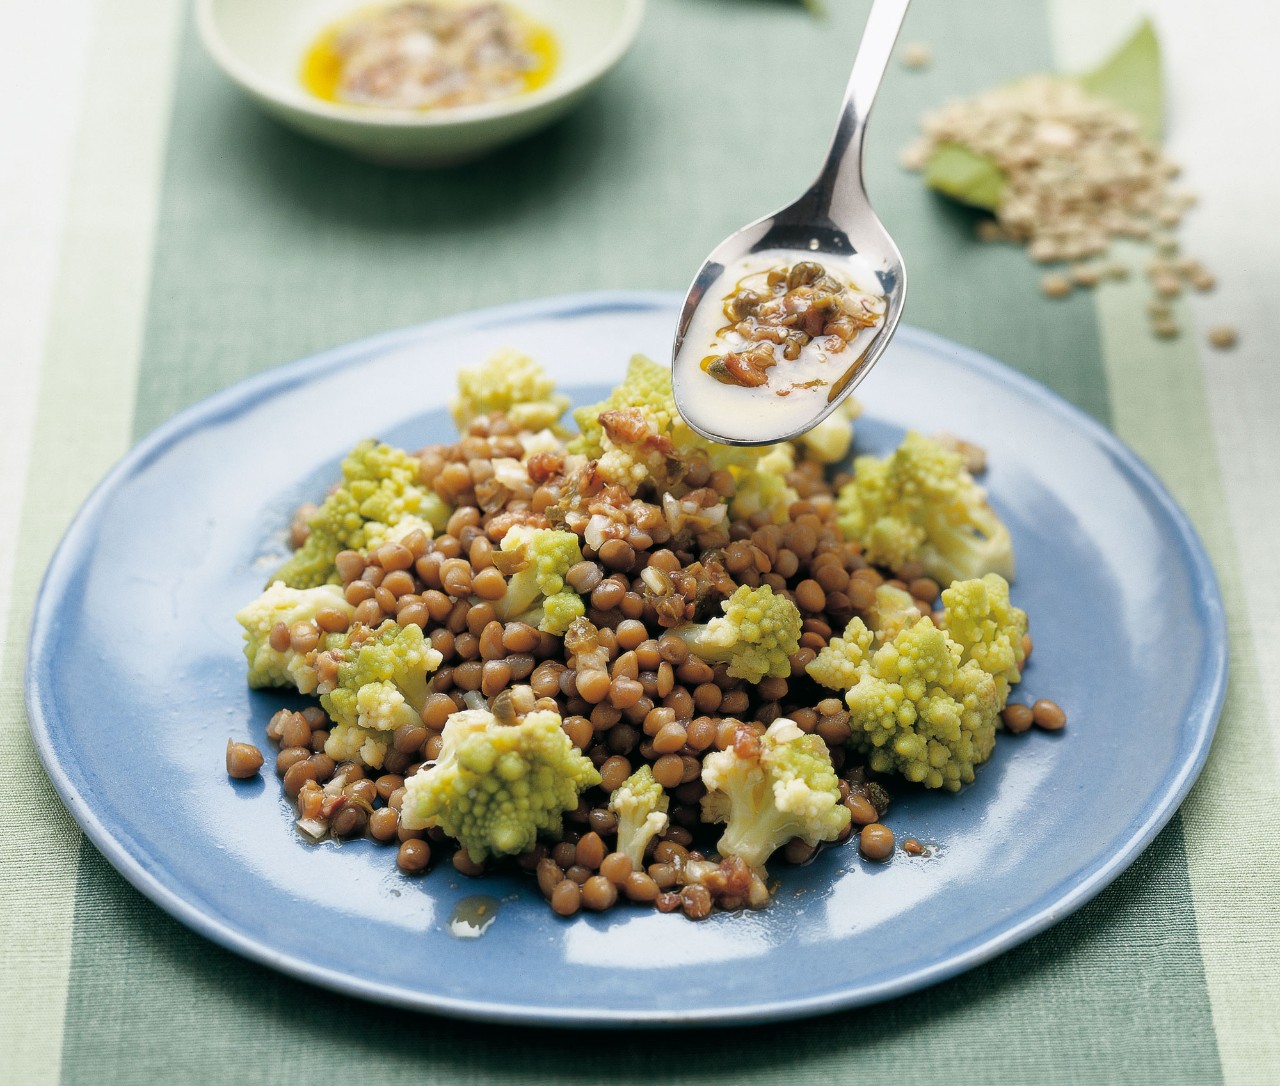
(645, 569)
(1079, 173)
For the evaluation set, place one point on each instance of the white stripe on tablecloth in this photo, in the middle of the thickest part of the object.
(80, 393)
(37, 132)
(1205, 420)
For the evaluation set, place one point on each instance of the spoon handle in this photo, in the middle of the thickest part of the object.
(839, 191)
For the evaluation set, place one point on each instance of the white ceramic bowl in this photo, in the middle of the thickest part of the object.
(260, 44)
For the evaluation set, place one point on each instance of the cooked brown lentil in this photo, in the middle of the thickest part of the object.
(414, 856)
(243, 760)
(875, 842)
(566, 898)
(383, 824)
(1048, 715)
(1017, 718)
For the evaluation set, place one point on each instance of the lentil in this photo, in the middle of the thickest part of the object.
(598, 893)
(1017, 718)
(243, 760)
(1223, 336)
(1055, 286)
(916, 56)
(297, 775)
(566, 898)
(383, 824)
(617, 868)
(414, 856)
(349, 821)
(1048, 715)
(875, 842)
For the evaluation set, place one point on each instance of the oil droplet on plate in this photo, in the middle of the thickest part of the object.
(473, 916)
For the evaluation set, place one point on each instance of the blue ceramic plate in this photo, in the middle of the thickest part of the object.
(134, 640)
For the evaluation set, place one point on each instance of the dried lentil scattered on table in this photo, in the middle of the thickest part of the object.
(1223, 336)
(1055, 286)
(1079, 174)
(916, 56)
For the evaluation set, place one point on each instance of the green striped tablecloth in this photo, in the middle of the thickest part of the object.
(161, 240)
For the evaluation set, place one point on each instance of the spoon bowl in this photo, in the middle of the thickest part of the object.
(833, 218)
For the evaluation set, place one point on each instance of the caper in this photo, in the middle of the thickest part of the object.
(720, 372)
(878, 796)
(503, 709)
(804, 272)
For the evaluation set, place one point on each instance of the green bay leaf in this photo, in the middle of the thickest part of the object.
(1131, 79)
(965, 175)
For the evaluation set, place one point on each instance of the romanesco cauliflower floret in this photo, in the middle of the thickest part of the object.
(543, 441)
(829, 442)
(496, 786)
(376, 534)
(838, 666)
(768, 789)
(379, 488)
(921, 504)
(637, 436)
(536, 591)
(989, 629)
(763, 486)
(917, 710)
(641, 806)
(381, 685)
(280, 603)
(756, 635)
(514, 384)
(892, 612)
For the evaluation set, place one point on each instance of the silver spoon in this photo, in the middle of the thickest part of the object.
(835, 218)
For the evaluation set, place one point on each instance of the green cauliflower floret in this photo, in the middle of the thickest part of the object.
(641, 806)
(830, 440)
(763, 486)
(989, 629)
(496, 786)
(536, 590)
(376, 534)
(839, 665)
(756, 636)
(637, 436)
(280, 603)
(381, 685)
(379, 488)
(514, 384)
(892, 612)
(771, 788)
(917, 710)
(921, 504)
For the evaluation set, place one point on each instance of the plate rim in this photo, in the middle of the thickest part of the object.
(1204, 711)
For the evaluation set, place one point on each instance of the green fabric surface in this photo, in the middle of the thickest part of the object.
(1112, 994)
(268, 247)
